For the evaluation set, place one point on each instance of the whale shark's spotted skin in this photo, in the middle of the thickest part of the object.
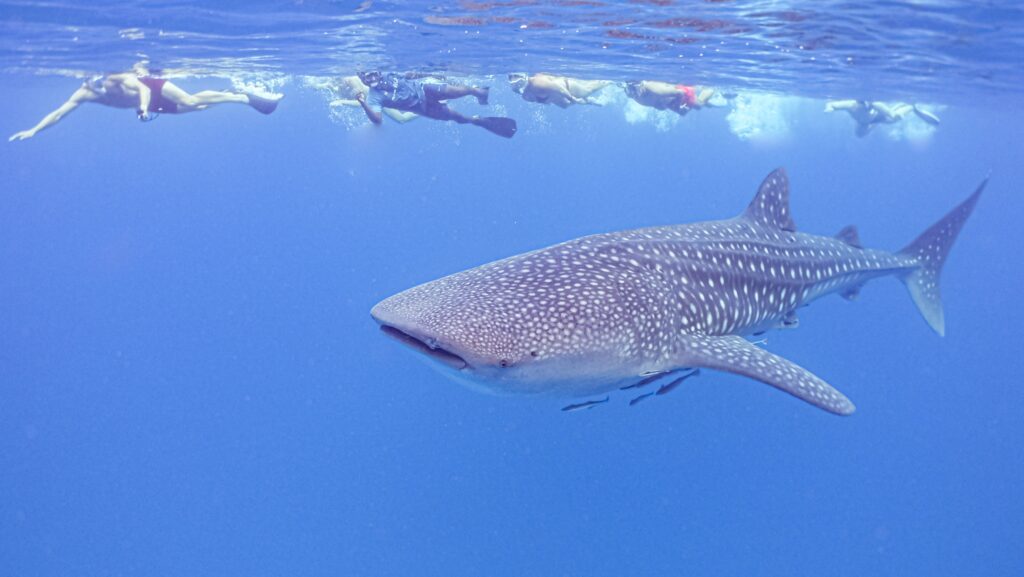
(608, 310)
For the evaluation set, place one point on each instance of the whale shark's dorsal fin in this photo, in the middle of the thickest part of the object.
(771, 205)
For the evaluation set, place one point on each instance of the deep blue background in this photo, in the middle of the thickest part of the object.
(190, 383)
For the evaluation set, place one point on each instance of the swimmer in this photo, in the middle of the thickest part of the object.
(561, 91)
(869, 114)
(348, 88)
(148, 95)
(678, 98)
(426, 99)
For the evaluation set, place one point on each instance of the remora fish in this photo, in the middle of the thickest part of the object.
(585, 405)
(602, 312)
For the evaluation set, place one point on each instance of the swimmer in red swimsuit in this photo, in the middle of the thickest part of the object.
(688, 98)
(678, 98)
(157, 101)
(146, 95)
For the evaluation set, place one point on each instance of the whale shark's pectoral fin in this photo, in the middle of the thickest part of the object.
(737, 355)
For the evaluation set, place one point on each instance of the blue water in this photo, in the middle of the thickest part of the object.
(191, 384)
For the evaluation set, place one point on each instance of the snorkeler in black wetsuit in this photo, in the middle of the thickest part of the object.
(427, 99)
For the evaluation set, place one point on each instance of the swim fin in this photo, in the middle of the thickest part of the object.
(926, 116)
(262, 103)
(499, 125)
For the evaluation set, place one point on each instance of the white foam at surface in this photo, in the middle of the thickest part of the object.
(760, 117)
(663, 120)
(260, 84)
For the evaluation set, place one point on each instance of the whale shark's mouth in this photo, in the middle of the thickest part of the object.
(435, 352)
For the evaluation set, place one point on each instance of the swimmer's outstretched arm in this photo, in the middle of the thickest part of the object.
(400, 116)
(145, 95)
(374, 116)
(81, 95)
(396, 115)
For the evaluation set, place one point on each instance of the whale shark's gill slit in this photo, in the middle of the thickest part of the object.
(437, 353)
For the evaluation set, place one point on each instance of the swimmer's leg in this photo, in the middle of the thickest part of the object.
(900, 110)
(584, 88)
(441, 111)
(841, 105)
(438, 92)
(890, 114)
(704, 96)
(501, 126)
(201, 100)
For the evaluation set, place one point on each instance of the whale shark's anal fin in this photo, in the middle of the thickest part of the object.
(852, 293)
(732, 354)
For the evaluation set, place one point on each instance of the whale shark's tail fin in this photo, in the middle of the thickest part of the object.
(930, 249)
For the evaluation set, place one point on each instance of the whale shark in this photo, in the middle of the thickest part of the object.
(624, 309)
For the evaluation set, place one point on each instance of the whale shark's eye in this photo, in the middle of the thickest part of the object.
(533, 353)
(504, 363)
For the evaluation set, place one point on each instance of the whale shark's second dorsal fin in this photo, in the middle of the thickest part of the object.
(849, 236)
(771, 205)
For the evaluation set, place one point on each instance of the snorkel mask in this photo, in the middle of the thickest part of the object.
(518, 81)
(370, 78)
(96, 84)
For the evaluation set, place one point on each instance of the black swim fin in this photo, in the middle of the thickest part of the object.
(498, 125)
